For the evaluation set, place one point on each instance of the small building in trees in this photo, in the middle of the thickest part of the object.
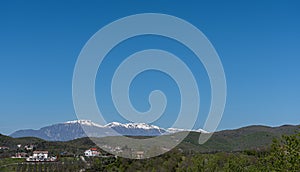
(139, 154)
(4, 148)
(92, 152)
(41, 156)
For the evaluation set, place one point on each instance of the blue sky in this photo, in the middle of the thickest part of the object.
(258, 44)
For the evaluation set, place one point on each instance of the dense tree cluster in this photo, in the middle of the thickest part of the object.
(284, 154)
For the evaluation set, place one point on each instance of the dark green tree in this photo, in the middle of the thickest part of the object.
(284, 154)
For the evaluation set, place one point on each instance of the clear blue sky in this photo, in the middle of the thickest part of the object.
(258, 43)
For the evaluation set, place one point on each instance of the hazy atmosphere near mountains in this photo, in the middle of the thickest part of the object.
(258, 44)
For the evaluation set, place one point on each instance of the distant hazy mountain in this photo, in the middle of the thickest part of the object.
(77, 129)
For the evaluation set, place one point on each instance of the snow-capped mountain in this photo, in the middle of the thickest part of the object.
(84, 122)
(176, 130)
(82, 128)
(136, 129)
(132, 125)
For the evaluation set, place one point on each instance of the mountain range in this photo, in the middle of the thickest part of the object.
(82, 128)
(255, 137)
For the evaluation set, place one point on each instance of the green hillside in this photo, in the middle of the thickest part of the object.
(247, 138)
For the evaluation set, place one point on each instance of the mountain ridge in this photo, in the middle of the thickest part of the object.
(245, 138)
(71, 130)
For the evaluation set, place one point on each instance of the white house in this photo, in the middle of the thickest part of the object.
(140, 154)
(41, 156)
(4, 148)
(38, 156)
(92, 152)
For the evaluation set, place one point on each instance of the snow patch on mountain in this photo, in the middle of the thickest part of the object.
(84, 122)
(176, 130)
(132, 125)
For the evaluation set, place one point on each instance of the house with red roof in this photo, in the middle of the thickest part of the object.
(92, 152)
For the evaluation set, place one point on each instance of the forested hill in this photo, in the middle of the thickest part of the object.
(246, 138)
